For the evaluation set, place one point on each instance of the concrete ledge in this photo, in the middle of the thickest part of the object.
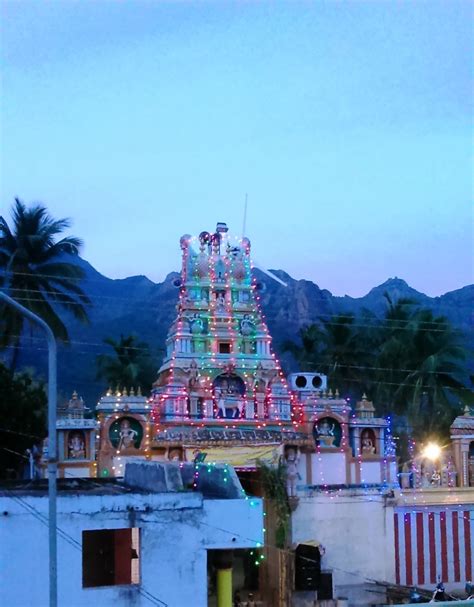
(214, 481)
(154, 476)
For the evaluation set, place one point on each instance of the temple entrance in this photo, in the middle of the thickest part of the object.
(233, 575)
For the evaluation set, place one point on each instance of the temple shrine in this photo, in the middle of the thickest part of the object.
(220, 389)
(76, 437)
(221, 396)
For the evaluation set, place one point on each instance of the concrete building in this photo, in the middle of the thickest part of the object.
(144, 541)
(363, 527)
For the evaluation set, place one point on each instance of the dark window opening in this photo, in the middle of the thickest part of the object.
(224, 347)
(110, 557)
(325, 592)
(300, 381)
(317, 381)
(307, 567)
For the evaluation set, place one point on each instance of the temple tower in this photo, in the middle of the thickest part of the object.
(219, 372)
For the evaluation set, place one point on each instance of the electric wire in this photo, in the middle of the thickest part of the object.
(104, 345)
(403, 326)
(347, 378)
(326, 489)
(375, 320)
(75, 544)
(88, 279)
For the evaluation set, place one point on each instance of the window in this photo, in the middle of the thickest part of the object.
(224, 347)
(307, 567)
(110, 557)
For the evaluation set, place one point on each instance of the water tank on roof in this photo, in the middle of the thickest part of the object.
(308, 382)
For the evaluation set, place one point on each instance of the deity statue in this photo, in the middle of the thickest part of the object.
(196, 324)
(325, 432)
(435, 479)
(367, 444)
(291, 465)
(175, 455)
(448, 472)
(405, 475)
(76, 448)
(259, 382)
(229, 368)
(127, 435)
(229, 398)
(247, 326)
(220, 299)
(193, 375)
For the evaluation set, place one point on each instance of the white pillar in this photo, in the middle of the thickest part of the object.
(250, 409)
(193, 405)
(465, 470)
(260, 405)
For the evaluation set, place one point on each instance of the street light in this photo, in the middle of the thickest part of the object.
(52, 455)
(432, 451)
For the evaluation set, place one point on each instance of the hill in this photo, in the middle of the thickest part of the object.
(138, 305)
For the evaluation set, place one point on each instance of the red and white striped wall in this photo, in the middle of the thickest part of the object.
(434, 544)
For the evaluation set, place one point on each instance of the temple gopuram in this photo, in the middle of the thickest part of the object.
(220, 390)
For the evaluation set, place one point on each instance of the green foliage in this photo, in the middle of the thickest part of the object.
(274, 485)
(410, 363)
(23, 414)
(130, 365)
(35, 273)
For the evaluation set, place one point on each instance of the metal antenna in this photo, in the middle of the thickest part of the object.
(245, 216)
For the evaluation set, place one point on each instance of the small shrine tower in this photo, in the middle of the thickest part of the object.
(123, 417)
(350, 447)
(462, 437)
(76, 436)
(220, 385)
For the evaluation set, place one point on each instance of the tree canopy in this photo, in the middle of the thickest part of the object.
(38, 271)
(23, 414)
(130, 365)
(410, 362)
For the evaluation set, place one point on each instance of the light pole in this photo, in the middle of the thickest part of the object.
(52, 449)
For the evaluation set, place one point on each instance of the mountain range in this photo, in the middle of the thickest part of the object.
(139, 306)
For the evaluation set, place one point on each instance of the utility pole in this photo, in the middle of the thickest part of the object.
(52, 448)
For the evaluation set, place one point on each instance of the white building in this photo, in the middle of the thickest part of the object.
(144, 541)
(352, 518)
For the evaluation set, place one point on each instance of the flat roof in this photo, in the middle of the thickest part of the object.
(69, 486)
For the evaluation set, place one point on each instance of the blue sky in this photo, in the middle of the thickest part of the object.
(349, 125)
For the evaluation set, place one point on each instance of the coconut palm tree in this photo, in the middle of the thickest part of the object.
(393, 349)
(130, 365)
(338, 346)
(345, 353)
(420, 370)
(437, 378)
(38, 270)
(308, 354)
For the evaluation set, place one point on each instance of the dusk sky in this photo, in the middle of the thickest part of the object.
(348, 124)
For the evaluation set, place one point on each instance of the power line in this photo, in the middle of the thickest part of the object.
(75, 544)
(342, 314)
(200, 355)
(302, 499)
(346, 378)
(317, 296)
(377, 324)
